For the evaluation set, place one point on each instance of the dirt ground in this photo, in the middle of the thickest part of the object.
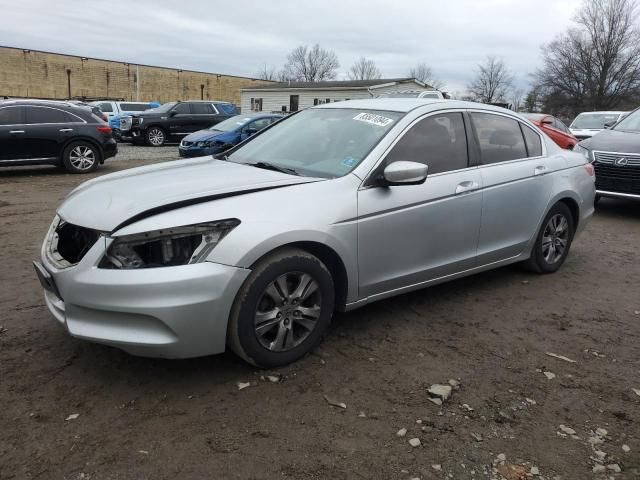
(157, 419)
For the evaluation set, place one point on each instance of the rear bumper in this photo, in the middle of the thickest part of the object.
(172, 312)
(110, 148)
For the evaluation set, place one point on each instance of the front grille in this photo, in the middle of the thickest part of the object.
(67, 243)
(616, 175)
(612, 158)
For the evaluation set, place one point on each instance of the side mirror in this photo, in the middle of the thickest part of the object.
(404, 173)
(609, 124)
(547, 121)
(251, 131)
(172, 113)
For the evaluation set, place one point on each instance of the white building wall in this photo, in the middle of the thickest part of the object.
(275, 100)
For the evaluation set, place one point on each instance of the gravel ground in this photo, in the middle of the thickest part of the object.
(72, 409)
(128, 152)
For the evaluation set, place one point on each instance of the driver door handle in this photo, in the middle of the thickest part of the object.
(467, 186)
(540, 170)
(16, 131)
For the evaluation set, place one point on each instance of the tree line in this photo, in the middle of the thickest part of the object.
(594, 65)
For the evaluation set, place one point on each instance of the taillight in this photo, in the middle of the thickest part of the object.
(104, 129)
(590, 170)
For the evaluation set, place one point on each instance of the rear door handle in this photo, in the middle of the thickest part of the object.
(467, 186)
(66, 129)
(16, 131)
(540, 170)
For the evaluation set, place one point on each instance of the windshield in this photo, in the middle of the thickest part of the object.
(594, 121)
(164, 108)
(323, 142)
(231, 124)
(630, 123)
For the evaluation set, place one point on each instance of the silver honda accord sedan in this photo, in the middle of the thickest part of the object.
(329, 209)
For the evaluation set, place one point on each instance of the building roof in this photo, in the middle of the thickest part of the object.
(337, 84)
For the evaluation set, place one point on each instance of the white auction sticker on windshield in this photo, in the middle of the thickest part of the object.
(373, 119)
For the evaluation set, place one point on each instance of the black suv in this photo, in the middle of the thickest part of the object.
(615, 154)
(35, 132)
(174, 120)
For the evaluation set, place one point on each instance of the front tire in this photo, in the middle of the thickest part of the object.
(155, 136)
(282, 310)
(80, 157)
(553, 240)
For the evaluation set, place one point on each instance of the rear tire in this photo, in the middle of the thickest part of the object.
(282, 310)
(155, 136)
(553, 240)
(80, 157)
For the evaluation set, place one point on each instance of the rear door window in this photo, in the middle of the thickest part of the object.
(11, 116)
(499, 137)
(439, 141)
(35, 115)
(202, 109)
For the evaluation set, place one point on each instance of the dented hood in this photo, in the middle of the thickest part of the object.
(107, 203)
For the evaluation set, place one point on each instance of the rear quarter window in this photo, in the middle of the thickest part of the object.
(532, 139)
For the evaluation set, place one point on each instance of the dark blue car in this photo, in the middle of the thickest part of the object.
(225, 134)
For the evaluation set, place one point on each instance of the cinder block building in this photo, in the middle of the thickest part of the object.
(37, 74)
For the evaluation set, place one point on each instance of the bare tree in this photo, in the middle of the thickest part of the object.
(364, 69)
(267, 72)
(516, 98)
(596, 64)
(492, 81)
(423, 73)
(311, 64)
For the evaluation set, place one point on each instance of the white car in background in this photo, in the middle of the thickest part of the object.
(587, 124)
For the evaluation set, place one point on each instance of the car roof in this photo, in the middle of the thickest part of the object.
(407, 104)
(33, 102)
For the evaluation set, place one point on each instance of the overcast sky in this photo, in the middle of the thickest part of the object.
(237, 37)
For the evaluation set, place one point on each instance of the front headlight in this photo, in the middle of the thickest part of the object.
(205, 144)
(168, 247)
(583, 151)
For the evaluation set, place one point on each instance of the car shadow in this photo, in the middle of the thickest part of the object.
(618, 208)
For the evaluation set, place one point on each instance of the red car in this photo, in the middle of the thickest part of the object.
(557, 131)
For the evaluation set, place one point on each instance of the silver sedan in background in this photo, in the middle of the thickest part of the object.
(331, 208)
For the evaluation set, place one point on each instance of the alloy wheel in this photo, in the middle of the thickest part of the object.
(82, 157)
(156, 137)
(555, 238)
(288, 311)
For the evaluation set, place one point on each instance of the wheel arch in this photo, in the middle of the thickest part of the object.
(329, 257)
(81, 138)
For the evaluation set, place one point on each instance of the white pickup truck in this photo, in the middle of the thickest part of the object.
(113, 109)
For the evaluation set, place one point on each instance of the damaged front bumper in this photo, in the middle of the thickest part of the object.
(171, 312)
